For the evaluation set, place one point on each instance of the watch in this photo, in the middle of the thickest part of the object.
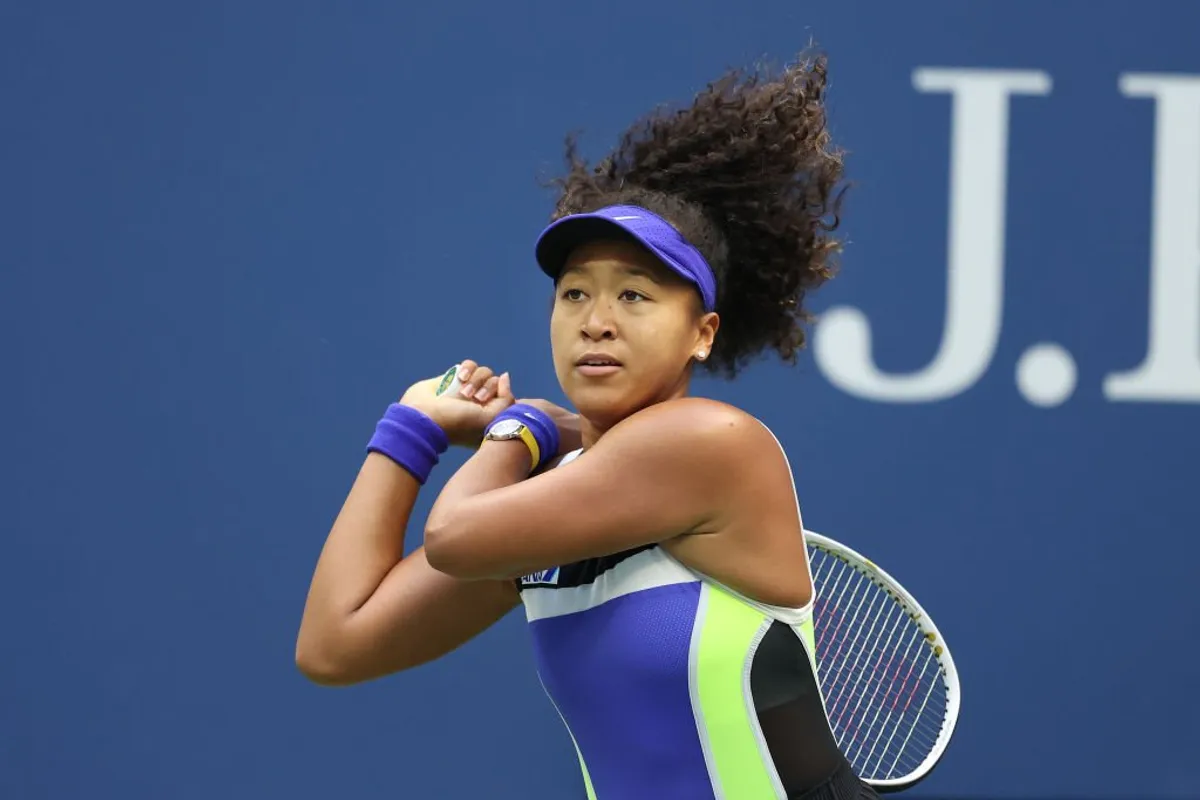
(507, 429)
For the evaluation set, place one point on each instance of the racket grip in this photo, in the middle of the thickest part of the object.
(450, 383)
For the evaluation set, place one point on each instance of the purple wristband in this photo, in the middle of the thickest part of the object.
(411, 439)
(540, 425)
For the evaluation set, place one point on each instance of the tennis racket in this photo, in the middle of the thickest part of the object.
(889, 684)
(449, 382)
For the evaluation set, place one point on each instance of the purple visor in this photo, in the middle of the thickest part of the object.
(648, 229)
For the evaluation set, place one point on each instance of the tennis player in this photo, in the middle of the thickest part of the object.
(655, 539)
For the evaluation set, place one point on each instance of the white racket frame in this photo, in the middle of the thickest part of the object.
(933, 638)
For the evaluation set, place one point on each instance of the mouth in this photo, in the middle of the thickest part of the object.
(597, 364)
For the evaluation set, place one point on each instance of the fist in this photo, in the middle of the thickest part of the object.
(464, 414)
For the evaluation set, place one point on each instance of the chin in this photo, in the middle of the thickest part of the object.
(602, 404)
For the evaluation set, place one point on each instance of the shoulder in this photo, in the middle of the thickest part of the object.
(695, 422)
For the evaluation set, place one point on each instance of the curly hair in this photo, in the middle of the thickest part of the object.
(749, 175)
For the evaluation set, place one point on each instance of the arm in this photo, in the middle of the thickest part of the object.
(658, 474)
(370, 612)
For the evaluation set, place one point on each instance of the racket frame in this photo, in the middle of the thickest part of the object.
(933, 637)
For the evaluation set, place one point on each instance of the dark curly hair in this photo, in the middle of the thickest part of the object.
(749, 175)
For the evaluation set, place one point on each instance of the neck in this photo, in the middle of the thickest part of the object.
(592, 427)
(591, 431)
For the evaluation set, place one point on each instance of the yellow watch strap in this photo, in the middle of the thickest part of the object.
(535, 452)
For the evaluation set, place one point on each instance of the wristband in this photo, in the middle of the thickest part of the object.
(411, 439)
(538, 423)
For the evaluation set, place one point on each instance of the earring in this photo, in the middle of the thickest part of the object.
(703, 354)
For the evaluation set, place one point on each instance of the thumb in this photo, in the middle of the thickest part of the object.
(504, 389)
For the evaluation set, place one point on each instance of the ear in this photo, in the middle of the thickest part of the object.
(706, 335)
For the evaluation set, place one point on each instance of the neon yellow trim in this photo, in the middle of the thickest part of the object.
(807, 633)
(730, 629)
(587, 778)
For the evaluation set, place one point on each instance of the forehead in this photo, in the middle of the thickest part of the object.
(605, 257)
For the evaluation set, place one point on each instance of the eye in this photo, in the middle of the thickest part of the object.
(574, 295)
(630, 296)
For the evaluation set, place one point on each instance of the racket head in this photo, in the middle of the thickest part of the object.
(892, 726)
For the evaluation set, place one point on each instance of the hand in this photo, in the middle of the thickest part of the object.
(464, 415)
(570, 436)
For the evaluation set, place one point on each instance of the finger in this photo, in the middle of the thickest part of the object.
(465, 368)
(478, 378)
(487, 391)
(504, 387)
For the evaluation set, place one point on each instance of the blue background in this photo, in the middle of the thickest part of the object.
(231, 233)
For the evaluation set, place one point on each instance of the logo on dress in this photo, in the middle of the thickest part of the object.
(546, 577)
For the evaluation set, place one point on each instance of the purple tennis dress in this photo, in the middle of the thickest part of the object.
(662, 676)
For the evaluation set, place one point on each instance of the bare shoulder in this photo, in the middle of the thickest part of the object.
(700, 413)
(694, 422)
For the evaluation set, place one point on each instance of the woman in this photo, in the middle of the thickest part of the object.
(655, 539)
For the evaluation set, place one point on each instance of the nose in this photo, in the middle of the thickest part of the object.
(599, 324)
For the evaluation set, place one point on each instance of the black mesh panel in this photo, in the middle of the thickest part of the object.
(789, 708)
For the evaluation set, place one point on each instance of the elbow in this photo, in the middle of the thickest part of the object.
(318, 660)
(441, 551)
(319, 669)
(446, 552)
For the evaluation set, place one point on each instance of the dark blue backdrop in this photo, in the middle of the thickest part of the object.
(230, 233)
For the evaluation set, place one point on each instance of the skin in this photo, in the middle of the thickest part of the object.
(615, 298)
(656, 467)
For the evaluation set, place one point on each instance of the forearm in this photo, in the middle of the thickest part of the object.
(496, 465)
(364, 544)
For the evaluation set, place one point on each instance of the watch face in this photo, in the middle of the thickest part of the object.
(505, 429)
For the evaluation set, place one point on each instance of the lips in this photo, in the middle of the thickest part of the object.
(597, 365)
(597, 360)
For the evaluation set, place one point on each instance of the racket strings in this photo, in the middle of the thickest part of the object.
(883, 686)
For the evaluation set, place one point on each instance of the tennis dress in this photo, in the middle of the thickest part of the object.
(672, 685)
